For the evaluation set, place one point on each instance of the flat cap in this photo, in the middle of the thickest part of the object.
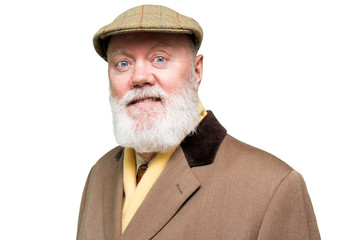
(147, 18)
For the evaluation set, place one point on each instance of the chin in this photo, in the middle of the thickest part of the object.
(136, 112)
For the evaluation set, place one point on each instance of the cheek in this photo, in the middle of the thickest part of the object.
(175, 80)
(118, 88)
(172, 86)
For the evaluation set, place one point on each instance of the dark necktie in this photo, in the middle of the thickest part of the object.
(141, 172)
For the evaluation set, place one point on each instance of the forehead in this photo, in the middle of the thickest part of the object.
(151, 40)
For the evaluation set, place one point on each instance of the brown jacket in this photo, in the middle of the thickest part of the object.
(213, 187)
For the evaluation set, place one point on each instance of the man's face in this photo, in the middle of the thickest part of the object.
(154, 80)
(163, 60)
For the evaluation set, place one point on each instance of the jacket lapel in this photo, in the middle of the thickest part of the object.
(113, 200)
(173, 187)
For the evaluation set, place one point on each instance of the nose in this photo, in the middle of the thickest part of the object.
(142, 75)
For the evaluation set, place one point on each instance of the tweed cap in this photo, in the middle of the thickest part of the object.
(147, 18)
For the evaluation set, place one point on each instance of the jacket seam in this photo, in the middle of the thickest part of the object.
(271, 198)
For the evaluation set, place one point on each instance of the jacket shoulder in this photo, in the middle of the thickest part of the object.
(252, 160)
(109, 162)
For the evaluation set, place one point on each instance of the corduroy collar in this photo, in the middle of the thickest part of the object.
(200, 148)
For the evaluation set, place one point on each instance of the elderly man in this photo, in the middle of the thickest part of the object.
(176, 173)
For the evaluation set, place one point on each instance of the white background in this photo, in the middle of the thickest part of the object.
(279, 75)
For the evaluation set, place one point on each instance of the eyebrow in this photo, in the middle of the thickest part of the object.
(117, 52)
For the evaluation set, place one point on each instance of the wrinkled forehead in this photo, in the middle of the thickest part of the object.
(152, 40)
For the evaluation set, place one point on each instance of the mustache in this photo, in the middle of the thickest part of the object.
(139, 94)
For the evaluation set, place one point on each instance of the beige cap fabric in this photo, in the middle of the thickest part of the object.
(147, 18)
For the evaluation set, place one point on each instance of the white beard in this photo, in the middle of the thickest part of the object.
(156, 129)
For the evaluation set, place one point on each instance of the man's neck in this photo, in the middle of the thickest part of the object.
(147, 157)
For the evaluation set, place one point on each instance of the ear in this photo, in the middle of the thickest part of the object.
(198, 67)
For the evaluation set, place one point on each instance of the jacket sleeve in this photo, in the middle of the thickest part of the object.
(82, 205)
(290, 214)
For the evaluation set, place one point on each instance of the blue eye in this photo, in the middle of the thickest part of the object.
(123, 64)
(160, 59)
